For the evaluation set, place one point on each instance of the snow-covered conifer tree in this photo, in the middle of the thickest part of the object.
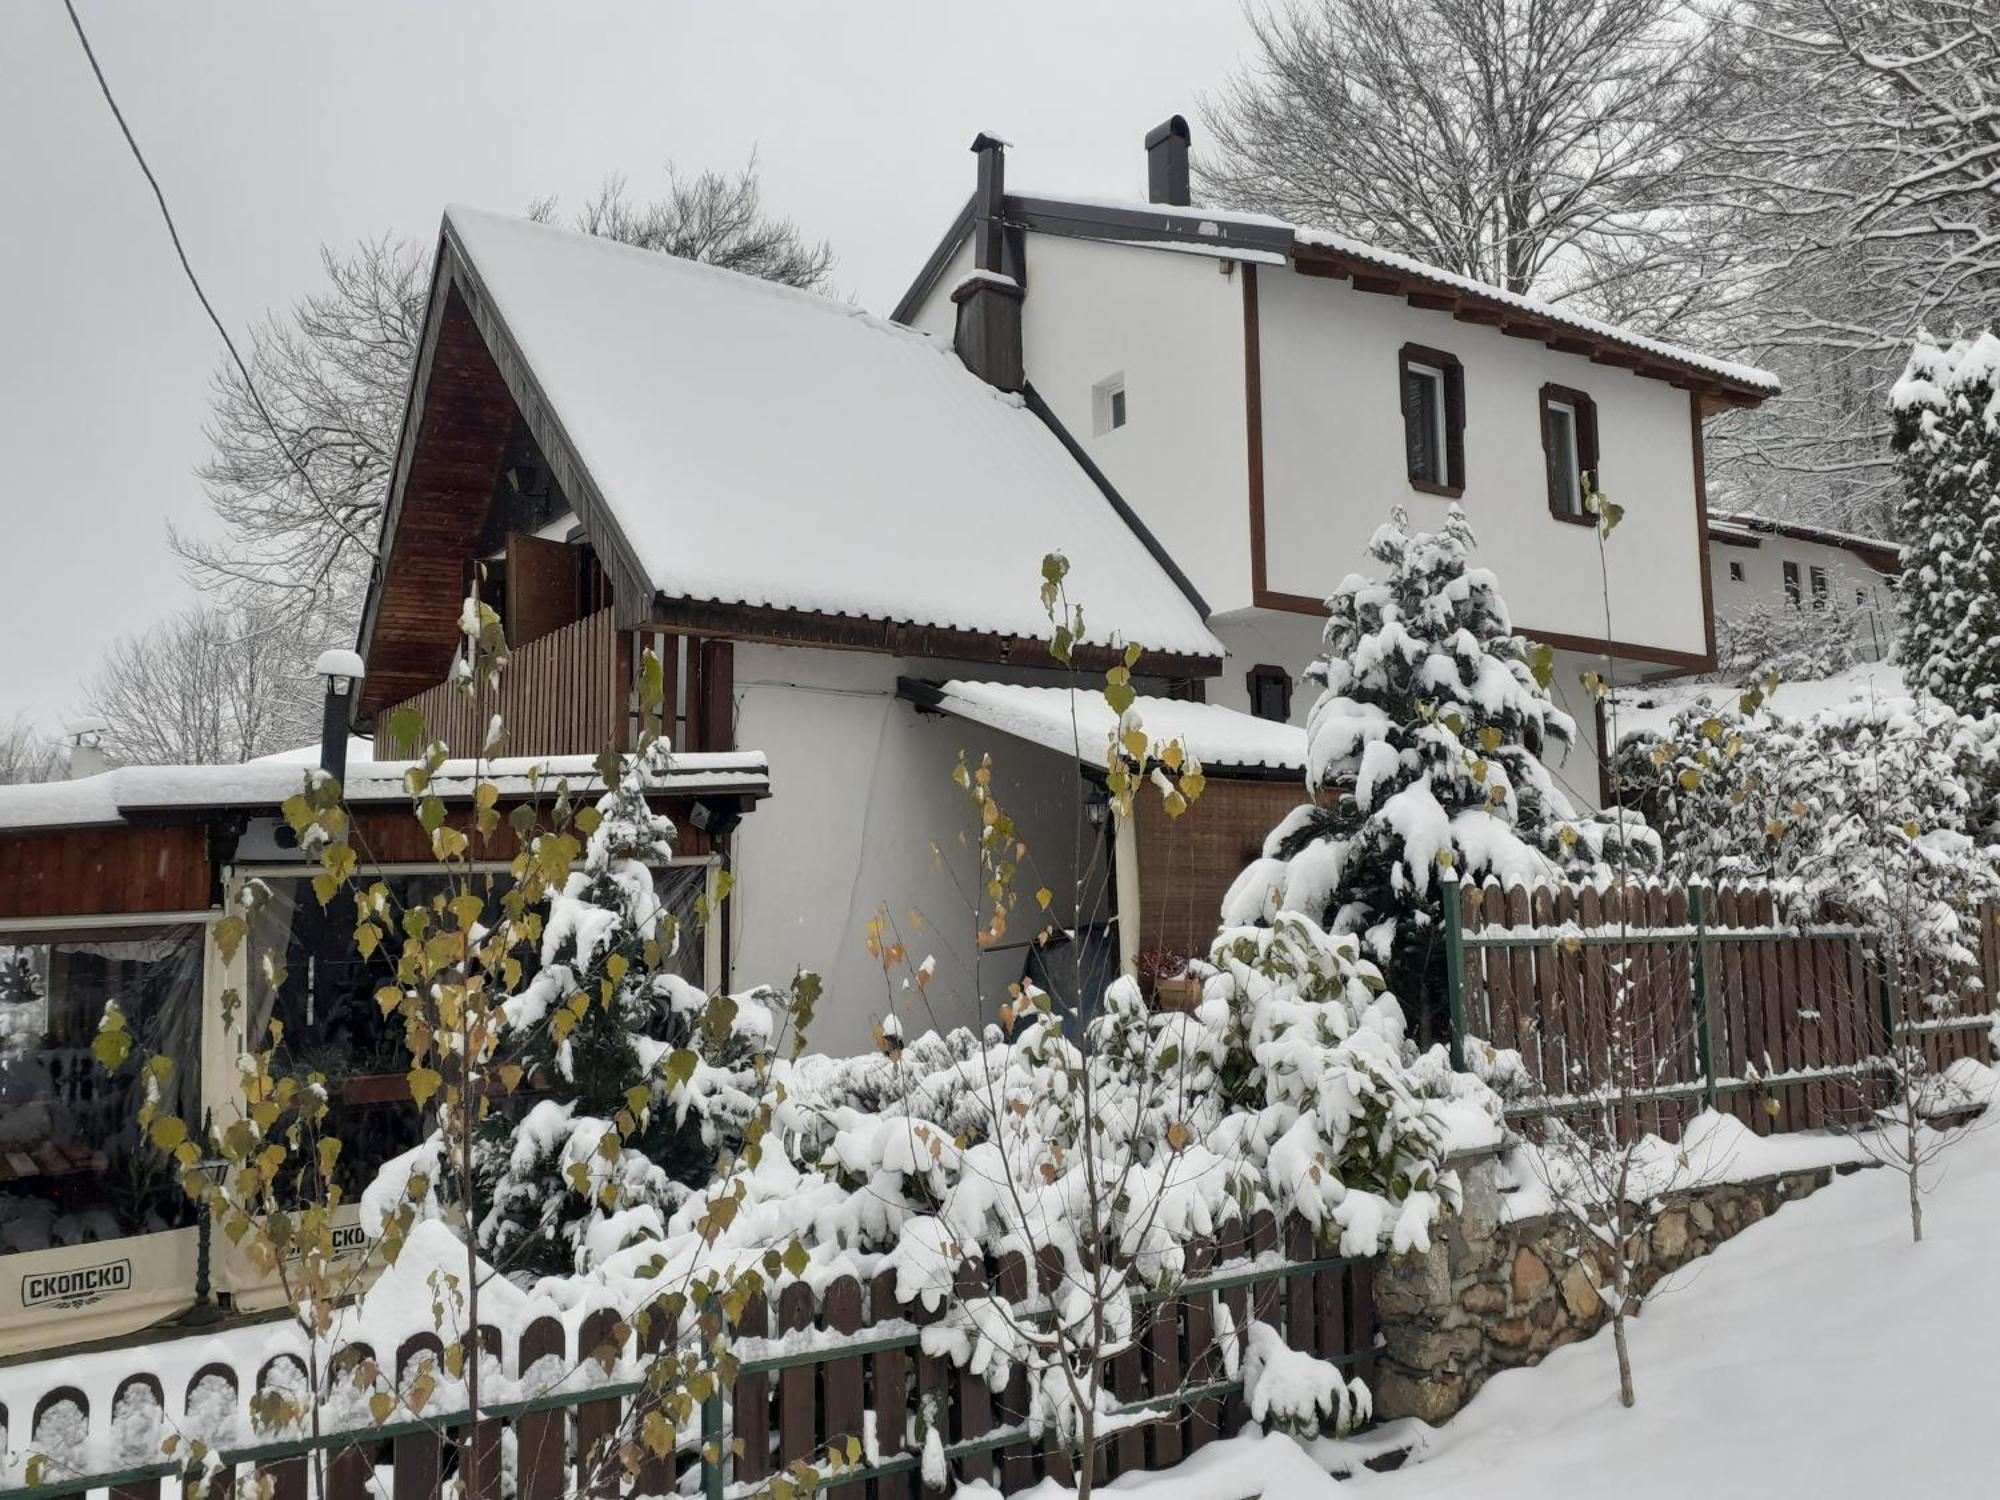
(1424, 751)
(1947, 435)
(637, 1073)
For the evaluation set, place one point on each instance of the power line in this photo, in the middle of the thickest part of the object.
(173, 233)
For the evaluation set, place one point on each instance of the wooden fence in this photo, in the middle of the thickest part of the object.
(1782, 1026)
(814, 1372)
(567, 693)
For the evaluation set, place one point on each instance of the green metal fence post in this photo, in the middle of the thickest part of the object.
(1703, 1012)
(714, 1455)
(1454, 968)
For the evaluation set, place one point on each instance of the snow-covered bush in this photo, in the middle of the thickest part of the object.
(1299, 1393)
(1794, 642)
(1946, 410)
(1879, 810)
(1424, 752)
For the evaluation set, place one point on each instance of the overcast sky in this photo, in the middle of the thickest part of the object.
(276, 128)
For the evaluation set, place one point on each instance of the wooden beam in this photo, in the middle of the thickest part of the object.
(1387, 285)
(1433, 301)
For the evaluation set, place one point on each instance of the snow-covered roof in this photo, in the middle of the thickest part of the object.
(1749, 525)
(758, 445)
(1262, 237)
(130, 793)
(1078, 721)
(1390, 260)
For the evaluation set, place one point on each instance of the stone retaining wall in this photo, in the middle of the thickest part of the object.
(1491, 1293)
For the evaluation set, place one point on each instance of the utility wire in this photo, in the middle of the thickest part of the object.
(173, 233)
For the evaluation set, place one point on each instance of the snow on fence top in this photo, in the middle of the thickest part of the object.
(1078, 721)
(760, 445)
(120, 795)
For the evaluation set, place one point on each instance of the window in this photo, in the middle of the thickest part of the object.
(1107, 404)
(1569, 450)
(1793, 595)
(1860, 596)
(1433, 399)
(1819, 588)
(1736, 572)
(74, 1167)
(1270, 693)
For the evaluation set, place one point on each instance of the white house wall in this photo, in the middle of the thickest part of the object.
(1171, 324)
(862, 790)
(1334, 464)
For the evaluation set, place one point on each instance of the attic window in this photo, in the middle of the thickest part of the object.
(1270, 693)
(1432, 392)
(1107, 404)
(1569, 450)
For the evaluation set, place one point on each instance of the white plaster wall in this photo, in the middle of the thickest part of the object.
(1334, 464)
(1260, 637)
(1172, 323)
(861, 790)
(1853, 584)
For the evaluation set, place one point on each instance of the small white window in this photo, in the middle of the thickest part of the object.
(1430, 462)
(1736, 572)
(1107, 404)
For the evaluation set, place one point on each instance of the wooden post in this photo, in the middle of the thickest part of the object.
(1454, 968)
(1703, 1015)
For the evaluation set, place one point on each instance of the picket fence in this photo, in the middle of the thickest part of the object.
(848, 1363)
(1782, 1026)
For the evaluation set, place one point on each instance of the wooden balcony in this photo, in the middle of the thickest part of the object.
(568, 692)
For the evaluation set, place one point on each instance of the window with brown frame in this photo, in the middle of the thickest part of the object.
(1270, 693)
(1569, 451)
(1432, 385)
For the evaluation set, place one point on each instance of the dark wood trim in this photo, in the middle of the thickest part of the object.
(1468, 305)
(1701, 532)
(1584, 414)
(1297, 604)
(1253, 427)
(767, 625)
(1454, 415)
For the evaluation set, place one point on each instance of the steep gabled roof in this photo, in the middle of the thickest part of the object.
(1319, 252)
(733, 446)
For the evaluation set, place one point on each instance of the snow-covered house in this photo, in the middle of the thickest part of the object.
(832, 531)
(1760, 564)
(1264, 393)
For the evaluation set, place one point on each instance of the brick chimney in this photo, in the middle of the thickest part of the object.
(1167, 162)
(988, 332)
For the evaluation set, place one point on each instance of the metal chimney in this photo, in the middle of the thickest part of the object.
(1167, 162)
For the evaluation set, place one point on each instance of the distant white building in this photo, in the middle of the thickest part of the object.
(1760, 563)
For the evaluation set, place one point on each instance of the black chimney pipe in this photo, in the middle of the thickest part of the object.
(989, 201)
(1167, 163)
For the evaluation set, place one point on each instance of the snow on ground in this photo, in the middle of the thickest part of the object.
(1818, 1354)
(1653, 706)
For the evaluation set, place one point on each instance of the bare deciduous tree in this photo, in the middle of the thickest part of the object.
(1854, 146)
(209, 686)
(26, 754)
(1539, 146)
(334, 371)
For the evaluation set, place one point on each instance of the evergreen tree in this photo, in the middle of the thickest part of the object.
(1423, 753)
(637, 1076)
(18, 982)
(1946, 409)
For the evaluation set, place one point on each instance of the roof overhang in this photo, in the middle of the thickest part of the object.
(1742, 529)
(197, 794)
(1078, 722)
(1720, 384)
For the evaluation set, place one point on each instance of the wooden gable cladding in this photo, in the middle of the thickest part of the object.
(84, 872)
(462, 415)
